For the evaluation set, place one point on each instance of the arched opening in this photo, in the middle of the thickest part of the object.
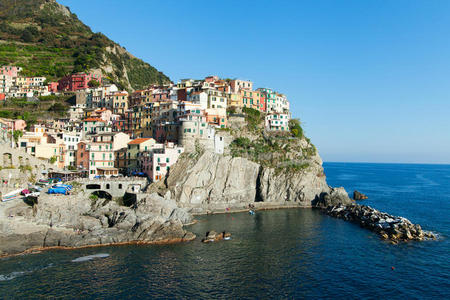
(102, 195)
(120, 186)
(93, 187)
(20, 161)
(129, 199)
(108, 186)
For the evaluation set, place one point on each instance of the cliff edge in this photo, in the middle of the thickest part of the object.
(258, 167)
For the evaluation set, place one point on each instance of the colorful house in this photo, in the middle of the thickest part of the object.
(156, 163)
(135, 148)
(277, 122)
(79, 81)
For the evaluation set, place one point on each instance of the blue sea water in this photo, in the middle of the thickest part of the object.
(295, 253)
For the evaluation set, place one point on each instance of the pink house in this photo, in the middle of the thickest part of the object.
(79, 81)
(53, 87)
(10, 71)
(14, 124)
(156, 163)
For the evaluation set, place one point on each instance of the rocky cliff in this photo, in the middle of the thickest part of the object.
(214, 182)
(77, 221)
(258, 168)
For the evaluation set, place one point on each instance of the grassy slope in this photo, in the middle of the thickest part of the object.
(46, 39)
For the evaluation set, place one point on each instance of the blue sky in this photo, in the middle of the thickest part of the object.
(370, 80)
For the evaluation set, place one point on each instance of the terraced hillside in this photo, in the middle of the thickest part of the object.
(46, 39)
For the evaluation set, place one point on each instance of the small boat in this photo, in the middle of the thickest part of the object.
(11, 195)
(252, 212)
(227, 238)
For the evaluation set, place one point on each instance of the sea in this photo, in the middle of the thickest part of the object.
(278, 254)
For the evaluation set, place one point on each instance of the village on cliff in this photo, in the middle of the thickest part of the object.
(110, 133)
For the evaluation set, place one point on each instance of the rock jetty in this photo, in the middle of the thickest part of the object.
(389, 227)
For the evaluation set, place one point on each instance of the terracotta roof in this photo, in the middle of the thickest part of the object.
(93, 120)
(138, 141)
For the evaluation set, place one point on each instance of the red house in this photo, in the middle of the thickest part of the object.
(75, 82)
(2, 97)
(53, 87)
(82, 158)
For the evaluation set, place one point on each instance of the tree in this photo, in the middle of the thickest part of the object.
(17, 134)
(53, 159)
(29, 33)
(93, 83)
(27, 36)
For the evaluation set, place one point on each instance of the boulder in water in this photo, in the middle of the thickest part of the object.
(359, 196)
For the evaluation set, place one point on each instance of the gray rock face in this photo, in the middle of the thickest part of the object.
(76, 221)
(216, 182)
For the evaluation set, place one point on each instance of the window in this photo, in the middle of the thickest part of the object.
(157, 168)
(167, 159)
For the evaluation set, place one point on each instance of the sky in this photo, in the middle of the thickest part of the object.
(369, 80)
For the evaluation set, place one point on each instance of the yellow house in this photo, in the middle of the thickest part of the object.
(120, 103)
(135, 147)
(234, 100)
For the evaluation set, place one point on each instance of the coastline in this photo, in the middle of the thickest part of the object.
(256, 207)
(160, 242)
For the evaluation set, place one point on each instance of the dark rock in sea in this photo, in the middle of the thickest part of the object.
(212, 236)
(359, 196)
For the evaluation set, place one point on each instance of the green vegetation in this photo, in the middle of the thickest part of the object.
(296, 129)
(93, 83)
(48, 107)
(46, 39)
(53, 159)
(283, 151)
(253, 118)
(26, 168)
(17, 134)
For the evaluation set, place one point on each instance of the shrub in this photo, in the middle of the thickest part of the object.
(296, 129)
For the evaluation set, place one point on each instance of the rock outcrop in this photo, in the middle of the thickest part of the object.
(214, 182)
(359, 196)
(76, 221)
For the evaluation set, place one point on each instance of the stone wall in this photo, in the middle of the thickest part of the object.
(11, 160)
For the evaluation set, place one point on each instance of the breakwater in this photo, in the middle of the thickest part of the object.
(389, 227)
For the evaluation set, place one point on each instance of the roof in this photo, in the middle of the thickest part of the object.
(139, 141)
(107, 169)
(93, 120)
